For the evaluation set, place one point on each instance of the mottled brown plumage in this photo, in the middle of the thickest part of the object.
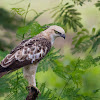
(27, 52)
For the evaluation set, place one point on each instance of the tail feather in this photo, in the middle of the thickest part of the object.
(2, 72)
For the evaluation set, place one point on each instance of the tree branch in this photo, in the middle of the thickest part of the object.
(33, 93)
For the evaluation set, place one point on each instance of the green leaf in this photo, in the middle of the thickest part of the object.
(49, 60)
(93, 30)
(19, 11)
(67, 15)
(29, 30)
(98, 4)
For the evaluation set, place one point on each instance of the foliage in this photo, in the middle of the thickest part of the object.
(85, 41)
(80, 2)
(3, 54)
(15, 86)
(68, 16)
(75, 69)
(72, 74)
(49, 60)
(22, 12)
(29, 30)
(98, 4)
(73, 94)
(46, 94)
(65, 14)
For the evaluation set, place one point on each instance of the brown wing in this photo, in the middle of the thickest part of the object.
(31, 51)
(20, 46)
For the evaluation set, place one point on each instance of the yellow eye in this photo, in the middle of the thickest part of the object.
(57, 32)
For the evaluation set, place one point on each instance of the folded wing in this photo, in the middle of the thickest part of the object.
(28, 52)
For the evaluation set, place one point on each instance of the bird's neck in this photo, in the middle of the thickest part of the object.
(52, 39)
(48, 36)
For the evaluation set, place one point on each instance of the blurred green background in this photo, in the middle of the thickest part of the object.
(90, 18)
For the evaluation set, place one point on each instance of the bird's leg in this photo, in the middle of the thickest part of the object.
(33, 82)
(29, 74)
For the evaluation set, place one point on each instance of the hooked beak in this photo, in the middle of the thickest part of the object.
(63, 35)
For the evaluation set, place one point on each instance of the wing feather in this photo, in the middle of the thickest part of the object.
(28, 52)
(20, 46)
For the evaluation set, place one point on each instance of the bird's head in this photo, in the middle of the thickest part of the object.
(54, 31)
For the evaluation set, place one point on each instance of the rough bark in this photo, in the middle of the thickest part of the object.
(33, 93)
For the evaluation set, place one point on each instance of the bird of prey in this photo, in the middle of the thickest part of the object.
(29, 53)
